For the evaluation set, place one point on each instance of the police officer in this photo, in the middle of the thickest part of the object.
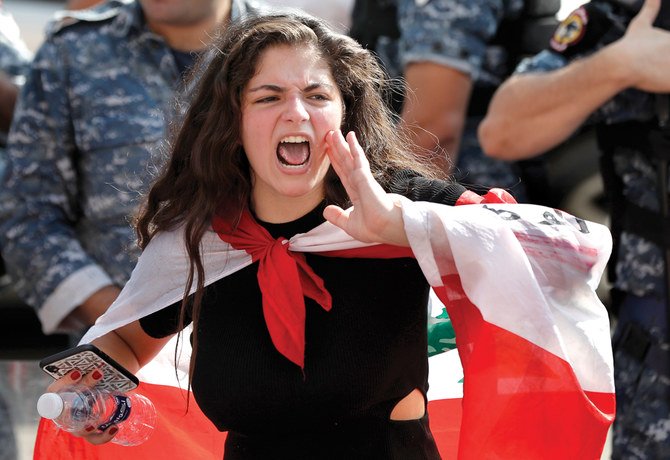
(609, 67)
(453, 54)
(96, 103)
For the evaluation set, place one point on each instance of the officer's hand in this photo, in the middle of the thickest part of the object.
(645, 50)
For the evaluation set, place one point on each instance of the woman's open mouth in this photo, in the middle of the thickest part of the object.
(293, 151)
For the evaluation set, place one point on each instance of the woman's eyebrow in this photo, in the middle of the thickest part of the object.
(279, 89)
(313, 86)
(266, 88)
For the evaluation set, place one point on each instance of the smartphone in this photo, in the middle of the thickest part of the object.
(86, 358)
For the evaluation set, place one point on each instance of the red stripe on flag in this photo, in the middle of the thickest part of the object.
(445, 424)
(519, 400)
(377, 251)
(193, 436)
(179, 434)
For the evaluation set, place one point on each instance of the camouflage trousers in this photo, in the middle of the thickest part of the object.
(642, 379)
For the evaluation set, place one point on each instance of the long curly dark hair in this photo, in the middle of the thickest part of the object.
(207, 170)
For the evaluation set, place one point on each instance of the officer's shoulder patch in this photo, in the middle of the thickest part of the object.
(583, 31)
(571, 30)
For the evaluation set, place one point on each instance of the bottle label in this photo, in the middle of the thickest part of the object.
(121, 412)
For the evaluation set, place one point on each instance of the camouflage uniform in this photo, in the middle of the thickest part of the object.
(458, 34)
(642, 426)
(96, 103)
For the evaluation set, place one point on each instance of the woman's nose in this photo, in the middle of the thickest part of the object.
(295, 110)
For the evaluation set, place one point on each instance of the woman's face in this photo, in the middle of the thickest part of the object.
(288, 107)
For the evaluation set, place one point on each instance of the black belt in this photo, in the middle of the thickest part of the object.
(650, 225)
(644, 348)
(644, 137)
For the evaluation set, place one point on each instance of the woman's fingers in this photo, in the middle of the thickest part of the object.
(92, 378)
(337, 216)
(350, 163)
(346, 153)
(356, 151)
(76, 377)
(91, 433)
(100, 437)
(71, 378)
(340, 156)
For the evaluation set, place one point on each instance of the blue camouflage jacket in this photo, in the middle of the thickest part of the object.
(639, 263)
(95, 105)
(459, 34)
(454, 33)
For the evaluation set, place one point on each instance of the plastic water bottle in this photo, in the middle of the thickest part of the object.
(75, 407)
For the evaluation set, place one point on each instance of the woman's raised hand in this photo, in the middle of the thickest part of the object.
(376, 216)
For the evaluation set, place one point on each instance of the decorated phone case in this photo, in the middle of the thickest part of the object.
(86, 358)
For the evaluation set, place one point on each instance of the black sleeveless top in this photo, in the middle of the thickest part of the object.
(361, 358)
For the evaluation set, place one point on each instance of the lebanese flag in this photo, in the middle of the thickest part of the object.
(518, 282)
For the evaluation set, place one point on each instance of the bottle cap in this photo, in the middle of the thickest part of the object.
(50, 405)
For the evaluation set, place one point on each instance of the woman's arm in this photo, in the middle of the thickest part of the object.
(130, 346)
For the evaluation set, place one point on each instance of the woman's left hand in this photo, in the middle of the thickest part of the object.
(376, 216)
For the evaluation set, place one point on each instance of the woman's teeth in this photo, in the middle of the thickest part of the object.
(294, 139)
(293, 151)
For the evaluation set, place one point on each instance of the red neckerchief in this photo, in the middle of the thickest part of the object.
(285, 278)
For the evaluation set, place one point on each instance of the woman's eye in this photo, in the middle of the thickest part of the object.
(319, 97)
(266, 99)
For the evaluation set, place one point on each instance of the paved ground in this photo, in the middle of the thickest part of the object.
(21, 383)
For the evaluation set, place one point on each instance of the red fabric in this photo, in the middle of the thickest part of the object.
(285, 279)
(495, 195)
(178, 434)
(528, 395)
(444, 416)
(181, 436)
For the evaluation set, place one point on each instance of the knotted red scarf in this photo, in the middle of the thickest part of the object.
(284, 278)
